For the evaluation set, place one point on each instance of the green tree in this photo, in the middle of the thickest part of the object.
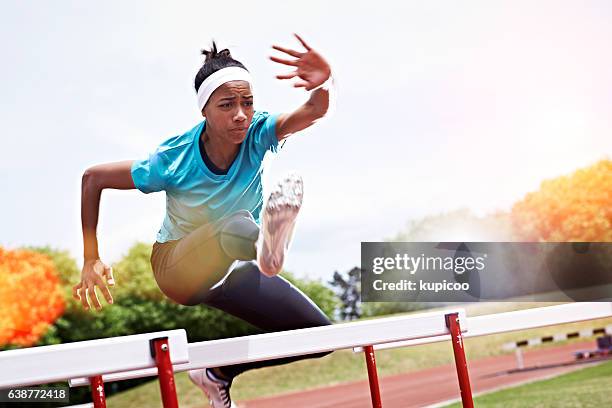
(371, 309)
(68, 271)
(134, 276)
(320, 294)
(348, 290)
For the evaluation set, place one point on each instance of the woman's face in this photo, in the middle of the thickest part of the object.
(229, 111)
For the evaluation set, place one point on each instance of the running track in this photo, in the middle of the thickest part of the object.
(434, 385)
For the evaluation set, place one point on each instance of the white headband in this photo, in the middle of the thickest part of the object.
(217, 79)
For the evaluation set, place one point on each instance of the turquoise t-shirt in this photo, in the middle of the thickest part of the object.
(194, 194)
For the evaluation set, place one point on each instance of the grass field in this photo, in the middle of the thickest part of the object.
(587, 387)
(345, 366)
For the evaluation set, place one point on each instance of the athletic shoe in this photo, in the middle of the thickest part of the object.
(216, 389)
(278, 222)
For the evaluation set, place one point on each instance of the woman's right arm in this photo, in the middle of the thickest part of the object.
(95, 179)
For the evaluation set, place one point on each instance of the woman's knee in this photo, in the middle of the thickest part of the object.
(238, 235)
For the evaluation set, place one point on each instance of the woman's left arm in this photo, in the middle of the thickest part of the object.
(314, 75)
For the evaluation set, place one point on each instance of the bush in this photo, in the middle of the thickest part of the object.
(371, 309)
(31, 297)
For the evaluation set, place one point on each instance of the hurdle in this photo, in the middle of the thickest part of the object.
(134, 356)
(507, 322)
(60, 362)
(340, 336)
(486, 325)
(518, 345)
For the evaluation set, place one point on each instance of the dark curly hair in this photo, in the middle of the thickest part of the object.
(215, 60)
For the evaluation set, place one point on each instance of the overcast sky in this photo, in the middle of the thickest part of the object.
(441, 105)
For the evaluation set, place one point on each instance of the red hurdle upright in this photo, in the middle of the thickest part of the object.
(160, 351)
(97, 391)
(372, 376)
(452, 323)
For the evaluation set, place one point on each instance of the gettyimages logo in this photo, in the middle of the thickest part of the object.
(413, 265)
(410, 271)
(485, 271)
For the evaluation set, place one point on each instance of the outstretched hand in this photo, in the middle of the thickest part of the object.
(311, 67)
(94, 273)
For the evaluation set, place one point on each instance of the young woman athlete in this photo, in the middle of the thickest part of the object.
(212, 248)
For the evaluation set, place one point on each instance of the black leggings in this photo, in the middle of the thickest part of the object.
(269, 303)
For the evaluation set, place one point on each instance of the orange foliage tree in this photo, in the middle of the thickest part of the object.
(574, 208)
(31, 297)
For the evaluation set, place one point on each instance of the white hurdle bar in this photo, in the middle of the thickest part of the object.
(274, 345)
(92, 358)
(518, 320)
